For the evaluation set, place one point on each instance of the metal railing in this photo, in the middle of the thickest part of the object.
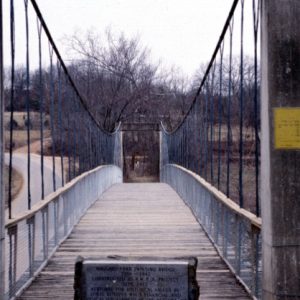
(33, 237)
(212, 158)
(235, 232)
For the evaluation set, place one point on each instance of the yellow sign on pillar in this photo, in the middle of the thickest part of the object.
(287, 128)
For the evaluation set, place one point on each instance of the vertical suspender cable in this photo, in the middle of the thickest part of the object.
(229, 132)
(68, 103)
(206, 129)
(201, 108)
(28, 105)
(81, 149)
(212, 124)
(256, 14)
(74, 106)
(220, 98)
(52, 117)
(60, 126)
(241, 144)
(41, 94)
(12, 99)
(200, 121)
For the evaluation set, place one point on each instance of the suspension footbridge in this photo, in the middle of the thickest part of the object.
(218, 198)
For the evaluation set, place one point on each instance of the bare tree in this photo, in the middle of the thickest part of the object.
(116, 75)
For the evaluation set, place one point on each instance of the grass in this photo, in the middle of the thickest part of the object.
(17, 183)
(210, 173)
(19, 141)
(20, 137)
(248, 170)
(20, 118)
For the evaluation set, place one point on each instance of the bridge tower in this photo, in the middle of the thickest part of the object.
(280, 188)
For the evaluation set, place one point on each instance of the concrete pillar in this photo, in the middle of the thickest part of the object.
(2, 199)
(280, 165)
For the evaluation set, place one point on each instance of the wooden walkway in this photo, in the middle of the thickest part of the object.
(137, 220)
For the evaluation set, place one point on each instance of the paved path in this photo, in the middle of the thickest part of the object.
(137, 220)
(19, 204)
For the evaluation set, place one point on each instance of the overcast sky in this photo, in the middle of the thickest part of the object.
(178, 32)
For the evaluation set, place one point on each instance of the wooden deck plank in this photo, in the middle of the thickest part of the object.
(137, 220)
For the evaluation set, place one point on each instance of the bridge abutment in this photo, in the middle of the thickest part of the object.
(280, 184)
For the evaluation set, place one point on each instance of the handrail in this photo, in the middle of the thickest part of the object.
(234, 232)
(252, 218)
(33, 237)
(49, 198)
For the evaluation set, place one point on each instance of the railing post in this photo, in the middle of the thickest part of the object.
(280, 169)
(2, 196)
(12, 258)
(121, 151)
(160, 155)
(31, 244)
(55, 221)
(254, 259)
(238, 236)
(225, 231)
(45, 231)
(66, 215)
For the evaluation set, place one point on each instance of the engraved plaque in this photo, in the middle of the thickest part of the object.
(134, 280)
